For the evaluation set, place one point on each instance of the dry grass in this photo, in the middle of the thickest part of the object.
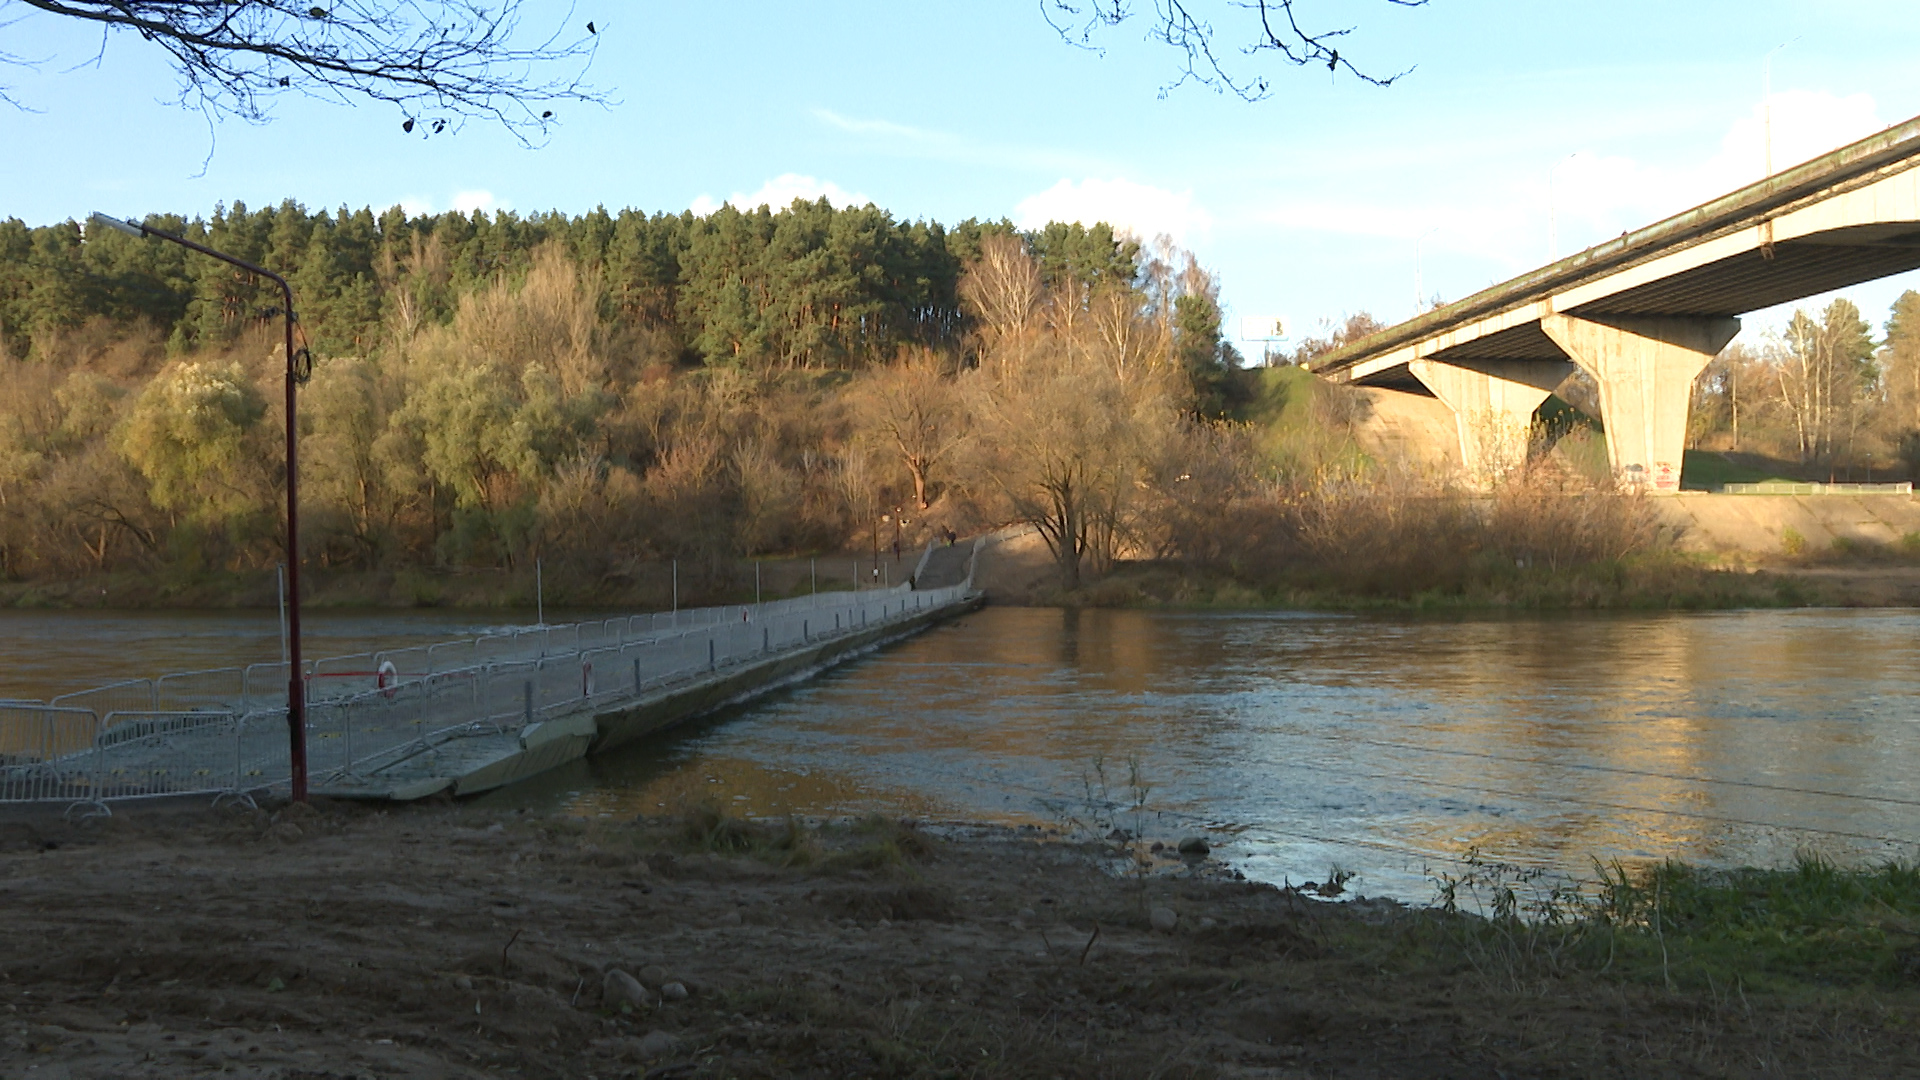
(1399, 538)
(1545, 539)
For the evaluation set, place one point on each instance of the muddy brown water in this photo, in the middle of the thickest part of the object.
(1388, 746)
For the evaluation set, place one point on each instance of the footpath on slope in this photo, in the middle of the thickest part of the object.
(946, 566)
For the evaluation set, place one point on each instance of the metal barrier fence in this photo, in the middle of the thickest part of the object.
(1785, 487)
(224, 730)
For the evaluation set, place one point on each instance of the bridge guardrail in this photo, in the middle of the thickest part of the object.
(223, 730)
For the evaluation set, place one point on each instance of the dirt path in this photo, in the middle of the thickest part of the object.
(450, 942)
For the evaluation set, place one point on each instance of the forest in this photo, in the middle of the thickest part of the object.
(606, 392)
(596, 391)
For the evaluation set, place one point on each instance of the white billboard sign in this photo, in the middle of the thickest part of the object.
(1263, 328)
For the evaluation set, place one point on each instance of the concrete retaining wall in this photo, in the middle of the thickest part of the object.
(1757, 524)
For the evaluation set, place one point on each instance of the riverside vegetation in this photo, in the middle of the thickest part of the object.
(878, 948)
(608, 392)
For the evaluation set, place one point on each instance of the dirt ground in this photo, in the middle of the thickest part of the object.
(445, 941)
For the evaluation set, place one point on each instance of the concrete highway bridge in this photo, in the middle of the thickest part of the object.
(1645, 313)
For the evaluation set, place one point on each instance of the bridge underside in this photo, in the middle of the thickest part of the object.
(1644, 344)
(1747, 281)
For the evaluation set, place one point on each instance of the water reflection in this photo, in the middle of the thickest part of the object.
(1380, 744)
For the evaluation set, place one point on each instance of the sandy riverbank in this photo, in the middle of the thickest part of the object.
(1016, 568)
(458, 942)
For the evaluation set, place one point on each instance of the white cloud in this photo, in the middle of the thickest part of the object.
(905, 140)
(1806, 124)
(468, 201)
(1503, 210)
(779, 193)
(1141, 209)
(465, 202)
(1615, 193)
(878, 127)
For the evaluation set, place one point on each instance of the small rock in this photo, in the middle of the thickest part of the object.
(673, 991)
(621, 990)
(1163, 919)
(496, 827)
(1028, 913)
(1195, 845)
(1120, 835)
(956, 982)
(1207, 923)
(1157, 847)
(653, 975)
(657, 1044)
(731, 918)
(462, 982)
(286, 831)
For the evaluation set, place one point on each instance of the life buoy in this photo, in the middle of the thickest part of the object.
(388, 677)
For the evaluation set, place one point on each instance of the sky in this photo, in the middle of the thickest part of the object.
(1515, 124)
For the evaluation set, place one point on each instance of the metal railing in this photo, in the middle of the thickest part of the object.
(223, 730)
(1787, 487)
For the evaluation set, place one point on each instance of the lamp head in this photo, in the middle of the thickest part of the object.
(135, 231)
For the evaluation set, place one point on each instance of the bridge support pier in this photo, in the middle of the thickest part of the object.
(1645, 368)
(1493, 402)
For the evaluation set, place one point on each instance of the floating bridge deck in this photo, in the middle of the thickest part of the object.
(458, 718)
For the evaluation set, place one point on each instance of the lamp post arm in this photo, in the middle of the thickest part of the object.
(135, 228)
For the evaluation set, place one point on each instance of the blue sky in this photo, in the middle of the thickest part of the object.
(1310, 204)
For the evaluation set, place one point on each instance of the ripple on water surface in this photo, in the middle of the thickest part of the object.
(1384, 745)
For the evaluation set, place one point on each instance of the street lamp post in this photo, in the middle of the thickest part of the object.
(1553, 208)
(296, 374)
(1419, 285)
(1766, 103)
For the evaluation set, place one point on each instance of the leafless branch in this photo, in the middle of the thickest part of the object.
(440, 62)
(1268, 26)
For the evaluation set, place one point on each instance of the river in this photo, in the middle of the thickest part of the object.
(1389, 746)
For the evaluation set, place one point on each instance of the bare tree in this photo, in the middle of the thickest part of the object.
(1064, 444)
(913, 406)
(1826, 376)
(1351, 328)
(439, 62)
(1003, 289)
(1263, 27)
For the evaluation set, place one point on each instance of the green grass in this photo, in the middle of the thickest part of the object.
(1813, 925)
(1816, 922)
(1281, 397)
(1704, 470)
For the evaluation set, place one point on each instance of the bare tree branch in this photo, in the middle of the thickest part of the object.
(440, 62)
(1264, 26)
